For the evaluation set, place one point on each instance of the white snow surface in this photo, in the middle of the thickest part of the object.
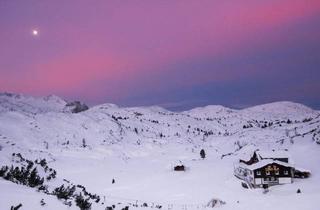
(139, 146)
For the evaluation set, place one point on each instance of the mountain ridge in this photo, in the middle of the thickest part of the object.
(39, 116)
(32, 101)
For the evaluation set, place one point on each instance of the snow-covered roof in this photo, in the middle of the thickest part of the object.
(247, 152)
(264, 162)
(264, 154)
(274, 154)
(302, 169)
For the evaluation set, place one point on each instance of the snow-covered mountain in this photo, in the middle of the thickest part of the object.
(138, 147)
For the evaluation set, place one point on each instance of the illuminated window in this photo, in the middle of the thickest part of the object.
(276, 170)
(267, 172)
(286, 172)
(258, 173)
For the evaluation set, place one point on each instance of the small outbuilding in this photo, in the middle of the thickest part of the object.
(179, 168)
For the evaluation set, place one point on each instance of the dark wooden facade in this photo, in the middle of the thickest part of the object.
(271, 173)
(273, 169)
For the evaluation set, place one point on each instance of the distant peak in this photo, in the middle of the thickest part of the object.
(53, 98)
(11, 95)
(280, 107)
(212, 108)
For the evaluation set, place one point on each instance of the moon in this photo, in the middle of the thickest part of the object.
(35, 32)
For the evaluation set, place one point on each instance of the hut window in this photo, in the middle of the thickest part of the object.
(286, 172)
(267, 172)
(258, 173)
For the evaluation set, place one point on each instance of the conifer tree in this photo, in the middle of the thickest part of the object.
(202, 154)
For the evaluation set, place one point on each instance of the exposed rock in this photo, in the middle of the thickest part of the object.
(76, 106)
(214, 202)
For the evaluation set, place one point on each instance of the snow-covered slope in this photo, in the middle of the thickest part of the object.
(138, 147)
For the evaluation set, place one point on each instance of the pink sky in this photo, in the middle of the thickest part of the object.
(113, 50)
